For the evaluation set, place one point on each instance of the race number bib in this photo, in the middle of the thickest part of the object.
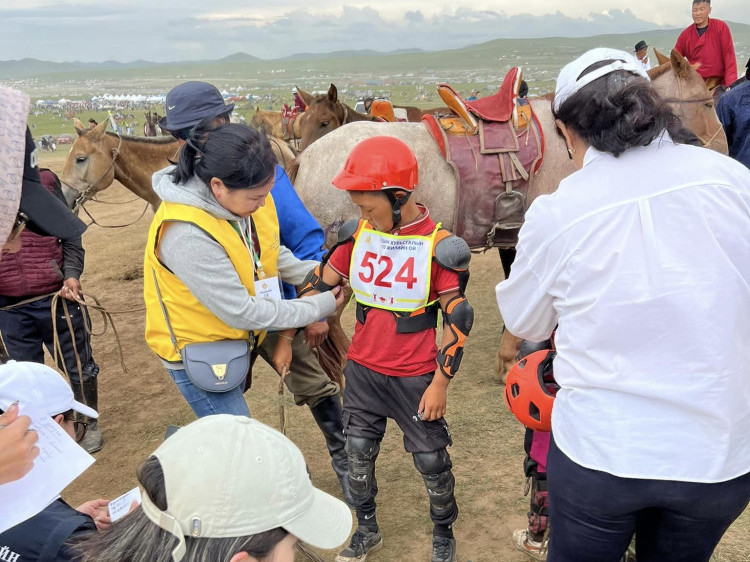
(391, 272)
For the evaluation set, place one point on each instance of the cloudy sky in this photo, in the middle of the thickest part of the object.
(170, 30)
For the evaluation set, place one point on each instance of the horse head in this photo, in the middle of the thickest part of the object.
(324, 114)
(89, 166)
(678, 82)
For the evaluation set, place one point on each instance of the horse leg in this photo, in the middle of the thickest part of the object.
(509, 344)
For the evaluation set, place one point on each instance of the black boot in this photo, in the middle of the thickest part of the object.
(327, 414)
(92, 441)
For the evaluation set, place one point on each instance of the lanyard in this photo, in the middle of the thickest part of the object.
(250, 245)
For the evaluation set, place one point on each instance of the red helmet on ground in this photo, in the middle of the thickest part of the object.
(378, 164)
(530, 390)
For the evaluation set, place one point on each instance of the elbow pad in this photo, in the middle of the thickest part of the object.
(314, 282)
(458, 318)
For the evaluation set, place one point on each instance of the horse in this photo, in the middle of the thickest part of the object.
(324, 114)
(149, 126)
(272, 124)
(317, 165)
(99, 157)
(413, 114)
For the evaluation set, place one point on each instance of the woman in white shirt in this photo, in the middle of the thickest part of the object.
(642, 259)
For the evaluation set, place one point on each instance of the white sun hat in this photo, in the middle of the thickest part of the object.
(568, 82)
(232, 476)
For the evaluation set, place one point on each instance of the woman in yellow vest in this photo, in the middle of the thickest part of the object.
(213, 258)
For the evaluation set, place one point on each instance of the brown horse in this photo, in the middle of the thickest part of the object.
(272, 124)
(677, 82)
(149, 126)
(324, 114)
(413, 114)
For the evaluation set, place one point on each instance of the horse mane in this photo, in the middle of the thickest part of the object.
(144, 140)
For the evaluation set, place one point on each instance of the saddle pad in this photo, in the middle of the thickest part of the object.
(457, 106)
(491, 188)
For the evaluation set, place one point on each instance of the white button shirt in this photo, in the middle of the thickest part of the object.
(644, 262)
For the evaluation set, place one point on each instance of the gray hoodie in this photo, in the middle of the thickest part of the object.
(204, 267)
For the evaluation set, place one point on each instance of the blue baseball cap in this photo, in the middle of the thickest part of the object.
(191, 102)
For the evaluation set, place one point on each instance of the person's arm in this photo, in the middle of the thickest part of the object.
(524, 299)
(681, 45)
(292, 269)
(728, 56)
(204, 267)
(299, 230)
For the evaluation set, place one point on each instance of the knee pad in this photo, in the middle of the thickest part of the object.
(361, 454)
(435, 468)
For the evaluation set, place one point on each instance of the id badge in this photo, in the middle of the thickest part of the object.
(268, 288)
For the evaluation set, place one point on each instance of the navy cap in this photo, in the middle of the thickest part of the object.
(191, 102)
(48, 215)
(640, 45)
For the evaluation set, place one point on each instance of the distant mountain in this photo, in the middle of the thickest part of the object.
(349, 54)
(238, 57)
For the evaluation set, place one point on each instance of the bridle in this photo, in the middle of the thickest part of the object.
(710, 99)
(88, 193)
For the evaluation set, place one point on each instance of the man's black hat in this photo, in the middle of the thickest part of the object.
(640, 45)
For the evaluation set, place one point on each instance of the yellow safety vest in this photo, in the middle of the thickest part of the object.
(191, 321)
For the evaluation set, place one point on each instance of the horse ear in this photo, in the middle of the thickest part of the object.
(97, 132)
(333, 94)
(660, 58)
(680, 64)
(78, 126)
(307, 98)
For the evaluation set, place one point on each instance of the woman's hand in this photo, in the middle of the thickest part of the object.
(316, 333)
(434, 399)
(98, 510)
(17, 445)
(282, 355)
(338, 292)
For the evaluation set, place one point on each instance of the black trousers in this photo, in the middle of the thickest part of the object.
(27, 330)
(594, 514)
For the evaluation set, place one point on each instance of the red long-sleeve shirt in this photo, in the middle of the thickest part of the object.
(714, 50)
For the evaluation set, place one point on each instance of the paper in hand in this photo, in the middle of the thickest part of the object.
(120, 507)
(61, 460)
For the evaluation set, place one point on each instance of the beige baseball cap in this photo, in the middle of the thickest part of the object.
(232, 476)
(570, 80)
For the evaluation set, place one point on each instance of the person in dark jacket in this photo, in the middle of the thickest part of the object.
(734, 113)
(47, 264)
(42, 537)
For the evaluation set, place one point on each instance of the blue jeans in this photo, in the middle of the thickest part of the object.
(208, 403)
(594, 514)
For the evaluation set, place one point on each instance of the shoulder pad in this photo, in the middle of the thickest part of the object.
(347, 230)
(452, 252)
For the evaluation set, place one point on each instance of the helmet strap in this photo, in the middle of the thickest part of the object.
(396, 204)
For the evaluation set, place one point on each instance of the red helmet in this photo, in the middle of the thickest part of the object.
(530, 390)
(377, 164)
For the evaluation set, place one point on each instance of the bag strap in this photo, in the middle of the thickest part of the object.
(166, 315)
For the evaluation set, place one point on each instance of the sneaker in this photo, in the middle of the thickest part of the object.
(443, 549)
(362, 543)
(536, 550)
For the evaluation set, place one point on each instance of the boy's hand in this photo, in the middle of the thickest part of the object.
(432, 405)
(316, 333)
(282, 354)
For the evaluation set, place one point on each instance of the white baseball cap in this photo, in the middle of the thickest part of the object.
(568, 82)
(39, 386)
(232, 476)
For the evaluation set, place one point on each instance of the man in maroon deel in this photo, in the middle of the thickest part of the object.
(708, 42)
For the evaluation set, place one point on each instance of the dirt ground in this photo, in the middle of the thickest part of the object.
(488, 443)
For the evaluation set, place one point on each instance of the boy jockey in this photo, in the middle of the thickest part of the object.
(402, 267)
